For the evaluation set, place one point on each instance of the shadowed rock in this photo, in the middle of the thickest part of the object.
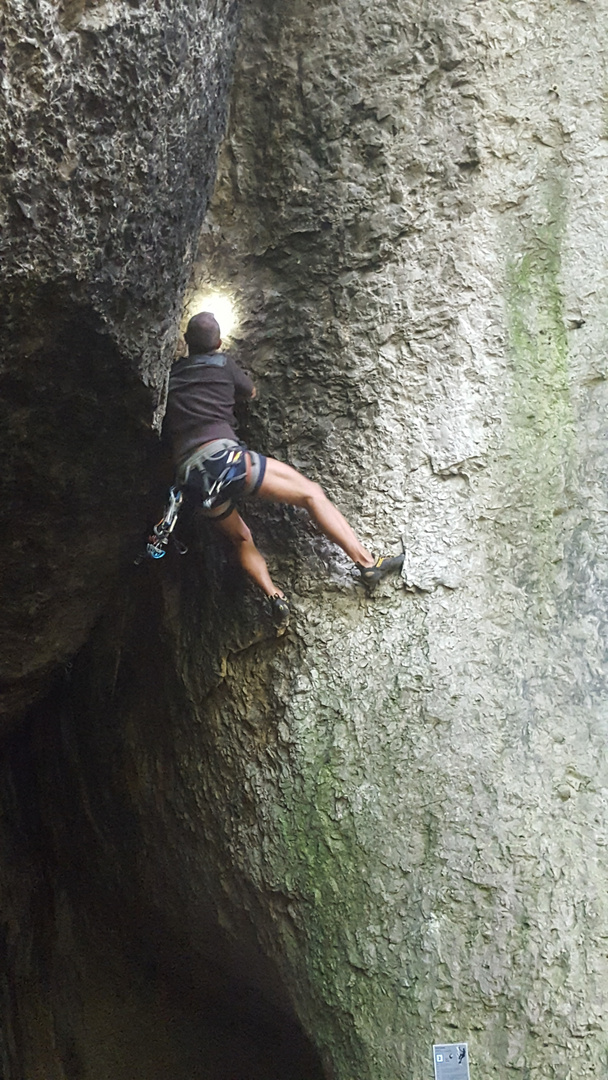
(109, 128)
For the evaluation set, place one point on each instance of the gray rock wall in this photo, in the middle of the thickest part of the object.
(406, 797)
(110, 121)
(111, 117)
(392, 821)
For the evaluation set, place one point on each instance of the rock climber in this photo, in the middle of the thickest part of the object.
(216, 470)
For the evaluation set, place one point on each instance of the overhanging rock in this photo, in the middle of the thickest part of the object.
(110, 124)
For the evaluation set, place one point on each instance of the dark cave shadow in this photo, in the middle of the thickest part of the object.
(94, 959)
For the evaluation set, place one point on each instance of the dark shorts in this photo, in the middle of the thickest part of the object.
(212, 459)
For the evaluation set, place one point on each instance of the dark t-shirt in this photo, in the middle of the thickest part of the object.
(200, 405)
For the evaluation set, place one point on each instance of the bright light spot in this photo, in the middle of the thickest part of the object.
(220, 306)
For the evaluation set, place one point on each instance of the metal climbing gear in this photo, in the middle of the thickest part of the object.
(159, 537)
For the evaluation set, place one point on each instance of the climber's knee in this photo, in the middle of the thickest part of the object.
(242, 535)
(235, 529)
(313, 497)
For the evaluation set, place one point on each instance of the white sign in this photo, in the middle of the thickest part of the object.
(451, 1061)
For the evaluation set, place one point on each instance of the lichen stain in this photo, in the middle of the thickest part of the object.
(543, 452)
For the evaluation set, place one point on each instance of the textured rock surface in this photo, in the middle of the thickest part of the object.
(110, 120)
(90, 985)
(405, 798)
(393, 821)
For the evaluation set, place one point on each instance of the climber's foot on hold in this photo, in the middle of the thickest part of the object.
(384, 564)
(279, 613)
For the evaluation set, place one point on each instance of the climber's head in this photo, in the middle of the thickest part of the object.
(203, 333)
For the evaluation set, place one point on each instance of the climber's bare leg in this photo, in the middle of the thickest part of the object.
(252, 561)
(281, 483)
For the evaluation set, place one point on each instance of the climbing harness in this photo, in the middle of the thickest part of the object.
(210, 487)
(208, 479)
(159, 537)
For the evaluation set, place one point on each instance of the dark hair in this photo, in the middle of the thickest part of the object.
(203, 333)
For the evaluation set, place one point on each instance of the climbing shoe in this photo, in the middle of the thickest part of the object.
(385, 564)
(279, 613)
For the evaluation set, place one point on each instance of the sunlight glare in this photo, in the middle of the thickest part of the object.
(219, 305)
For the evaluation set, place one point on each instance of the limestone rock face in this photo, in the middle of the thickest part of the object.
(389, 824)
(109, 126)
(403, 801)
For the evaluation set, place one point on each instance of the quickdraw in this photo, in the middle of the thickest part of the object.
(161, 533)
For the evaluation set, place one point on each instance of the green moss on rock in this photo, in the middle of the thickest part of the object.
(541, 424)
